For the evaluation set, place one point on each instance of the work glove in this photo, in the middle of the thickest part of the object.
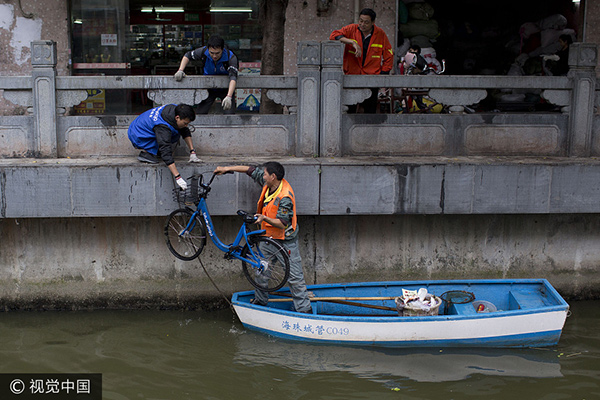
(226, 103)
(181, 182)
(194, 158)
(179, 75)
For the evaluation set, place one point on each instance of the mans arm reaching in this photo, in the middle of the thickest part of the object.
(214, 59)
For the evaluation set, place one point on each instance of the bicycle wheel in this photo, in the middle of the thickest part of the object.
(274, 261)
(185, 244)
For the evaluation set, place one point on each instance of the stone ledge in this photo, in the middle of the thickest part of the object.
(121, 186)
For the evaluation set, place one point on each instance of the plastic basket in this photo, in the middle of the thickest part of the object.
(191, 195)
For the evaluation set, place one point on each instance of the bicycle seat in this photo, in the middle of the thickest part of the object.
(248, 218)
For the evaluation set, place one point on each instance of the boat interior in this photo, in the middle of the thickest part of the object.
(383, 301)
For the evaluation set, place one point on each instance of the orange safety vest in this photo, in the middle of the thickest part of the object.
(270, 210)
(379, 55)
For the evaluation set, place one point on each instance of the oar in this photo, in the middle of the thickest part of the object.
(343, 300)
(337, 298)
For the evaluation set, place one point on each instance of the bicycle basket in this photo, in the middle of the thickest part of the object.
(191, 195)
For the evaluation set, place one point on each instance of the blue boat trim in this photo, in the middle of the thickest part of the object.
(538, 339)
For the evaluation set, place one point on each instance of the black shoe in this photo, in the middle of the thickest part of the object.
(148, 158)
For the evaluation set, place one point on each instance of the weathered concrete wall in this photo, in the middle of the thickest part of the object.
(562, 248)
(123, 262)
(113, 187)
(36, 20)
(345, 236)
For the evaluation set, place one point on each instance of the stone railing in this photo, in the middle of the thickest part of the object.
(316, 124)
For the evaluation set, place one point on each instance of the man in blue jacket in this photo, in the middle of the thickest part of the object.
(214, 59)
(157, 130)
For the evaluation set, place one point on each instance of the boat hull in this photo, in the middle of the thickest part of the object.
(519, 327)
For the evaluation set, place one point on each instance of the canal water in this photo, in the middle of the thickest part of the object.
(175, 355)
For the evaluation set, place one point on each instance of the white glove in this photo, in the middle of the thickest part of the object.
(179, 75)
(181, 182)
(194, 158)
(226, 103)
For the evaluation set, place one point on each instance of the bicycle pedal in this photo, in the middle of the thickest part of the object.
(228, 255)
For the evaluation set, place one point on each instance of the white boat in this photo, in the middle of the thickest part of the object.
(472, 313)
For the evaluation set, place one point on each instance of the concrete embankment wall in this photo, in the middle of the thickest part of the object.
(49, 263)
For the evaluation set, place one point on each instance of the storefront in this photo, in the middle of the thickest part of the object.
(141, 37)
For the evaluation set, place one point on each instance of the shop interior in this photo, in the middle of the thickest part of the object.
(142, 37)
(484, 37)
(474, 37)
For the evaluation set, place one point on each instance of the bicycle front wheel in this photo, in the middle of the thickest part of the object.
(185, 242)
(274, 261)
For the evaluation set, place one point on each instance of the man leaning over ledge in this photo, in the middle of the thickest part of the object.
(158, 130)
(367, 52)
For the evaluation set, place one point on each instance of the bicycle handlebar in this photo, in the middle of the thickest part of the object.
(200, 177)
(248, 218)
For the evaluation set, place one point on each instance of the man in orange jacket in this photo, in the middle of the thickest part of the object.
(276, 212)
(367, 52)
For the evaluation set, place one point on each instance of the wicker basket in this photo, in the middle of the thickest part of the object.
(408, 311)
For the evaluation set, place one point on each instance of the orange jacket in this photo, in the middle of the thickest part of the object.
(270, 210)
(380, 56)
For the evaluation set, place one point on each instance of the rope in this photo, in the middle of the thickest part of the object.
(215, 285)
(200, 260)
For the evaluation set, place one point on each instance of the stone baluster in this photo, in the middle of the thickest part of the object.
(309, 84)
(332, 78)
(583, 58)
(43, 60)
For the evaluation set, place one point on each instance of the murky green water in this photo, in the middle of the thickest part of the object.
(209, 355)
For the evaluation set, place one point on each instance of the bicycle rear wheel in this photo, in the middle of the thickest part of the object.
(274, 261)
(185, 243)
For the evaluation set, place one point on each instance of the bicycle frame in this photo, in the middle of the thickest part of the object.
(234, 249)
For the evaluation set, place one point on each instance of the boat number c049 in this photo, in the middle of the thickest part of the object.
(315, 330)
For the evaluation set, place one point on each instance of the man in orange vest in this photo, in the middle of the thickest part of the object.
(276, 213)
(367, 52)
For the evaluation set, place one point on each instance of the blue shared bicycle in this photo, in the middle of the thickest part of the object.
(265, 261)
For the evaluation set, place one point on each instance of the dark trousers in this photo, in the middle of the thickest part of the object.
(205, 105)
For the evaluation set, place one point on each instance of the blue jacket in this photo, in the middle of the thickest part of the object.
(227, 65)
(149, 128)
